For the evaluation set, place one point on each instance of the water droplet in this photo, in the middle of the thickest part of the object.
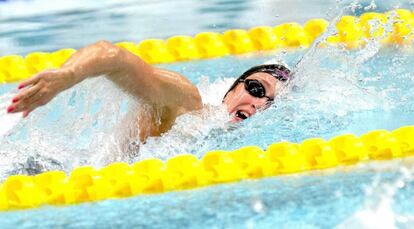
(258, 206)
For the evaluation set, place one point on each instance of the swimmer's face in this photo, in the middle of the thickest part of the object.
(241, 104)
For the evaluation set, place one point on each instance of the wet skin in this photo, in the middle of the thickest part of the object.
(241, 105)
(167, 93)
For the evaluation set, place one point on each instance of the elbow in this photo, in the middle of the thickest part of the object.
(104, 44)
(110, 55)
(109, 50)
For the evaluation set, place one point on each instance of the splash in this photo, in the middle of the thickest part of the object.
(334, 90)
(380, 209)
(77, 125)
(191, 131)
(7, 122)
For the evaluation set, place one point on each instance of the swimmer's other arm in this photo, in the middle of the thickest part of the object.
(157, 87)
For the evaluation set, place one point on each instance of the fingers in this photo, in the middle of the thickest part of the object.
(30, 109)
(29, 81)
(22, 100)
(26, 113)
(39, 90)
(29, 103)
(26, 93)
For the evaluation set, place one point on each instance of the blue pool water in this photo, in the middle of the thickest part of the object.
(335, 91)
(319, 200)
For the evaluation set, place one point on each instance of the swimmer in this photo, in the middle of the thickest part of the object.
(167, 93)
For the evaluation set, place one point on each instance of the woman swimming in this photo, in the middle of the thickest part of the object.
(167, 93)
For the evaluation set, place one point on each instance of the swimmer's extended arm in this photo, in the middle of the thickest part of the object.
(158, 87)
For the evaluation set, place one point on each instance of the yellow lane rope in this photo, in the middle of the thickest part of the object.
(352, 32)
(185, 171)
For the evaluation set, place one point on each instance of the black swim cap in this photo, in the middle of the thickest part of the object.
(278, 71)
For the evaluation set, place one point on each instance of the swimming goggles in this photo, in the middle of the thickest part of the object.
(255, 88)
(278, 71)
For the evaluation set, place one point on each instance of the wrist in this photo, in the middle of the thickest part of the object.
(72, 75)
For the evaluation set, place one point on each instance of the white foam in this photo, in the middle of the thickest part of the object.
(377, 211)
(7, 121)
(376, 217)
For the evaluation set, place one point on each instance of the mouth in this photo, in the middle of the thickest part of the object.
(241, 115)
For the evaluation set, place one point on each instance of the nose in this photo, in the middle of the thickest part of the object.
(254, 110)
(259, 104)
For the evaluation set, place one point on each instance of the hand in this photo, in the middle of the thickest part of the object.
(40, 89)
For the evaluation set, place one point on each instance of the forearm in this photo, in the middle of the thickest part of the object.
(105, 59)
(97, 59)
(160, 88)
(155, 86)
